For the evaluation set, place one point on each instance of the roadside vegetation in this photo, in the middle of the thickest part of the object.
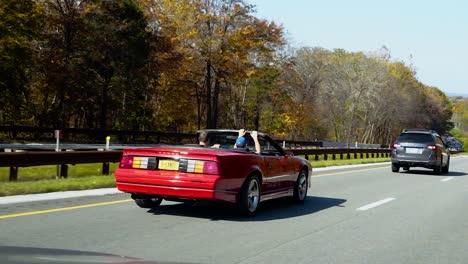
(41, 179)
(179, 66)
(460, 120)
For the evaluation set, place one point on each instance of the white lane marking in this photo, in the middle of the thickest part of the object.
(447, 179)
(372, 205)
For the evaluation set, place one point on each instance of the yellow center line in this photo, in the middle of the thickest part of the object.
(62, 209)
(346, 172)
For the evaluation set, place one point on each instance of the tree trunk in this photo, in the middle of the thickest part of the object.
(104, 105)
(215, 104)
(209, 123)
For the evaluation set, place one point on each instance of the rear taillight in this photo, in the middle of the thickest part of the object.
(198, 166)
(395, 145)
(210, 167)
(182, 165)
(432, 147)
(126, 162)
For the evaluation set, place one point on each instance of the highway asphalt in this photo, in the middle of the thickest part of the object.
(354, 215)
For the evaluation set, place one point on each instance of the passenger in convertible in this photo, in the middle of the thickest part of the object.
(241, 141)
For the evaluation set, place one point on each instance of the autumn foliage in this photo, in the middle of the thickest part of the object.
(184, 65)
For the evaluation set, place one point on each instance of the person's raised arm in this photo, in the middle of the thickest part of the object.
(254, 135)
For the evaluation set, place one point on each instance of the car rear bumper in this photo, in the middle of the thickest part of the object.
(178, 192)
(415, 163)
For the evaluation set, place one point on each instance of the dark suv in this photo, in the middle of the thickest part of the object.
(420, 148)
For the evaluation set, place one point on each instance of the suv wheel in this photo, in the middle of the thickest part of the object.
(438, 169)
(445, 169)
(395, 167)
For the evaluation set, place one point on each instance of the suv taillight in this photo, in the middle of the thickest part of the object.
(395, 145)
(432, 147)
(126, 162)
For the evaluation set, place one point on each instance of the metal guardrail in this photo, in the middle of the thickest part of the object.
(15, 160)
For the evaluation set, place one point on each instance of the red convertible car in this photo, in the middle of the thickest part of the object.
(234, 175)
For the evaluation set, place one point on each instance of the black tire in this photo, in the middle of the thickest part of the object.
(445, 169)
(300, 187)
(149, 203)
(249, 196)
(438, 169)
(395, 167)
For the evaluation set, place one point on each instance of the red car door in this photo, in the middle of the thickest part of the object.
(279, 168)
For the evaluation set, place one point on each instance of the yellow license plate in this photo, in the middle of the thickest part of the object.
(168, 165)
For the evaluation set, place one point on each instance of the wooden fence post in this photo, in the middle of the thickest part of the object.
(13, 174)
(63, 171)
(105, 168)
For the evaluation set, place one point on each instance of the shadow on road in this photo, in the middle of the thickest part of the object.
(431, 173)
(269, 210)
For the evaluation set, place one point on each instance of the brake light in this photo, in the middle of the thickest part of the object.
(432, 147)
(126, 162)
(210, 167)
(395, 145)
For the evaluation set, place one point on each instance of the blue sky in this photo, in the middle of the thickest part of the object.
(430, 35)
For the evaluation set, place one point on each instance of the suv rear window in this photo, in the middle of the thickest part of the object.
(415, 138)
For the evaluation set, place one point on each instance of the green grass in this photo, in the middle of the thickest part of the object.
(49, 171)
(44, 186)
(321, 162)
(328, 163)
(41, 179)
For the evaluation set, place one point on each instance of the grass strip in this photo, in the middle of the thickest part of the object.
(45, 186)
(45, 172)
(338, 162)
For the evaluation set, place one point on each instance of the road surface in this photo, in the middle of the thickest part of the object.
(359, 215)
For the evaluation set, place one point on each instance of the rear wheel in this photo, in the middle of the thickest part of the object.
(148, 203)
(445, 169)
(249, 196)
(438, 168)
(395, 167)
(300, 187)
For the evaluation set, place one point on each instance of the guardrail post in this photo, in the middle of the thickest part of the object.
(348, 156)
(341, 156)
(105, 168)
(333, 156)
(316, 157)
(307, 157)
(355, 155)
(325, 156)
(64, 171)
(13, 174)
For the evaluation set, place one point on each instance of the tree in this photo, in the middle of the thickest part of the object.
(219, 40)
(20, 24)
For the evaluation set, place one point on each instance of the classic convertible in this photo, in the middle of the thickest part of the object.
(224, 174)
